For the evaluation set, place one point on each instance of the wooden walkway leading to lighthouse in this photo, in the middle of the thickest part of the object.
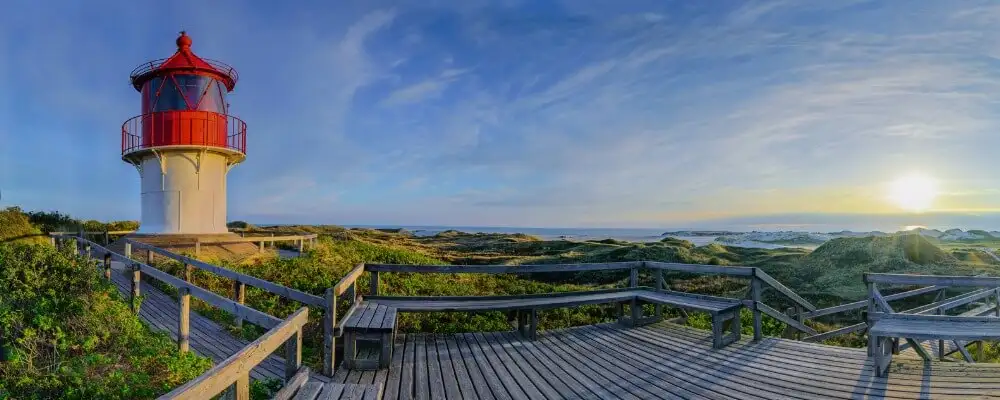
(662, 360)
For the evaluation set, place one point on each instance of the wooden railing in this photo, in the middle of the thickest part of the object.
(940, 302)
(234, 372)
(759, 281)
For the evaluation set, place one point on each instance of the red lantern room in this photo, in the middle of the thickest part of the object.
(184, 104)
(184, 143)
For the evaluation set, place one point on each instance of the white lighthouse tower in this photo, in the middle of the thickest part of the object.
(184, 142)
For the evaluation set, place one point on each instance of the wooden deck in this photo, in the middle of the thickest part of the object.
(207, 338)
(657, 361)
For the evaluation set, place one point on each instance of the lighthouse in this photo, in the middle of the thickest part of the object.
(184, 142)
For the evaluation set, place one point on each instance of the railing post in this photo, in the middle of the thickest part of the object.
(183, 324)
(136, 278)
(86, 248)
(261, 249)
(239, 295)
(197, 248)
(128, 249)
(755, 292)
(800, 318)
(188, 272)
(302, 245)
(868, 316)
(107, 266)
(941, 341)
(107, 238)
(374, 283)
(242, 387)
(633, 282)
(659, 286)
(329, 332)
(52, 240)
(149, 257)
(293, 354)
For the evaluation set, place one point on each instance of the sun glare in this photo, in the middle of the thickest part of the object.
(913, 192)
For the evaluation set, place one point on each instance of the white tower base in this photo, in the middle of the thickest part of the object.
(183, 189)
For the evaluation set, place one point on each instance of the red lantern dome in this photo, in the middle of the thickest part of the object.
(184, 105)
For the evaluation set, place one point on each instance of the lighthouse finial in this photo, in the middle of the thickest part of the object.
(183, 41)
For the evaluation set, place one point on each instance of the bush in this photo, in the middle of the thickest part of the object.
(67, 334)
(15, 226)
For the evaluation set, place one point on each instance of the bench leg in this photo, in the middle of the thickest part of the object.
(636, 310)
(533, 333)
(620, 312)
(350, 350)
(386, 354)
(735, 327)
(716, 331)
(883, 355)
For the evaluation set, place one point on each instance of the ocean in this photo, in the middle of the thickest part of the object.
(577, 234)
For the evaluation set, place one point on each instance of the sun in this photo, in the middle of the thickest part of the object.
(914, 192)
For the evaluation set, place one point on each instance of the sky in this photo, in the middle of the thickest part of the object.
(673, 114)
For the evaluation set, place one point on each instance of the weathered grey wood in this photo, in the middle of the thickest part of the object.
(184, 319)
(286, 392)
(293, 354)
(239, 295)
(501, 269)
(836, 332)
(329, 332)
(774, 284)
(347, 282)
(277, 289)
(861, 303)
(332, 391)
(136, 291)
(107, 266)
(658, 277)
(238, 365)
(374, 283)
(755, 295)
(786, 319)
(309, 391)
(188, 272)
(699, 268)
(938, 280)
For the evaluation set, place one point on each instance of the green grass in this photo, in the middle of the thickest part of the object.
(67, 334)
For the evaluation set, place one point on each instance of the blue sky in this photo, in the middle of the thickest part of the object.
(529, 113)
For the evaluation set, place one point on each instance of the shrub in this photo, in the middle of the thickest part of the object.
(69, 335)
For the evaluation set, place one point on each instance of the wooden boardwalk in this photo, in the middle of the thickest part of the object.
(207, 338)
(657, 361)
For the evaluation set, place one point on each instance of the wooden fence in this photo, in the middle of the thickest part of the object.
(234, 371)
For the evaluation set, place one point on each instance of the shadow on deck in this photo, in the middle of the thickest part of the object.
(663, 360)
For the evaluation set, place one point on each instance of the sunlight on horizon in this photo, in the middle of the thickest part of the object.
(914, 192)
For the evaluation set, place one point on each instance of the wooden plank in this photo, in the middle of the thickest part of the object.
(391, 388)
(406, 378)
(557, 378)
(937, 280)
(447, 367)
(611, 385)
(221, 376)
(389, 322)
(462, 377)
(421, 387)
(309, 391)
(331, 391)
(262, 284)
(490, 371)
(434, 376)
(862, 303)
(774, 284)
(520, 375)
(700, 269)
(376, 322)
(348, 280)
(786, 319)
(836, 332)
(292, 385)
(501, 269)
(505, 377)
(478, 380)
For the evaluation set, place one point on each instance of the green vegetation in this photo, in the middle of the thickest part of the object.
(15, 227)
(67, 334)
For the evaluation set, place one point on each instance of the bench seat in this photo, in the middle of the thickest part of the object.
(303, 387)
(886, 327)
(375, 317)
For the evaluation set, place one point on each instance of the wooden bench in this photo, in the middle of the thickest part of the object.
(888, 326)
(301, 387)
(375, 316)
(369, 321)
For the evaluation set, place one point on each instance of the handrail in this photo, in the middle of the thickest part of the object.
(501, 269)
(348, 280)
(267, 286)
(940, 280)
(862, 303)
(236, 368)
(91, 233)
(242, 311)
(773, 283)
